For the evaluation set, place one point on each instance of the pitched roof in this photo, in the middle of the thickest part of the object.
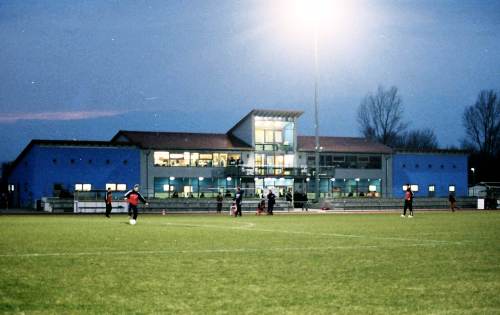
(181, 140)
(342, 144)
(268, 113)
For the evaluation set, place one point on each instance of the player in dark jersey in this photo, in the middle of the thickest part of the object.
(238, 199)
(133, 197)
(108, 200)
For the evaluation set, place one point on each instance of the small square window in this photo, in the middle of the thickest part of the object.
(111, 186)
(451, 188)
(432, 188)
(121, 187)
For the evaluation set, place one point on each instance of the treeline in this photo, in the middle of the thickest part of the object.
(381, 118)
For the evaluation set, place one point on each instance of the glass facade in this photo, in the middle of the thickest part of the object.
(195, 159)
(274, 134)
(346, 187)
(185, 187)
(347, 161)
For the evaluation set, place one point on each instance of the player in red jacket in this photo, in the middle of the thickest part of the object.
(133, 197)
(408, 202)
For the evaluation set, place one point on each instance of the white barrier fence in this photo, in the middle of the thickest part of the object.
(99, 207)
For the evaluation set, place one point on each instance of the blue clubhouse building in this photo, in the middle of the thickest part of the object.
(262, 151)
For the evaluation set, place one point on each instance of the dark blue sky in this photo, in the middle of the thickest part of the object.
(85, 69)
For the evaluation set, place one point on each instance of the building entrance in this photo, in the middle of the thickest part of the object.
(278, 185)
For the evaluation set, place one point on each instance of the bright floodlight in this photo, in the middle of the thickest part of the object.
(312, 12)
(331, 20)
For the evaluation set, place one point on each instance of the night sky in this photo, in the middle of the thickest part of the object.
(85, 69)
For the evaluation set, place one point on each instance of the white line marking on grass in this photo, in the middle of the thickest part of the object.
(403, 239)
(203, 251)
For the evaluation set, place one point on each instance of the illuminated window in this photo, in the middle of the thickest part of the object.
(83, 187)
(121, 187)
(432, 188)
(269, 136)
(278, 136)
(372, 188)
(289, 160)
(111, 186)
(166, 187)
(161, 158)
(259, 136)
(413, 188)
(451, 188)
(188, 190)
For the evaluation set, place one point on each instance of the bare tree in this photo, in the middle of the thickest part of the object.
(380, 116)
(482, 124)
(424, 139)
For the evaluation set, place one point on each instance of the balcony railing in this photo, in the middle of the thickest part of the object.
(274, 147)
(264, 171)
(325, 171)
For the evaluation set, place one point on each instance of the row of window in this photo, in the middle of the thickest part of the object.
(195, 159)
(347, 161)
(429, 166)
(89, 161)
(112, 186)
(430, 188)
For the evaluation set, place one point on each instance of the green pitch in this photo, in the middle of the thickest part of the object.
(435, 263)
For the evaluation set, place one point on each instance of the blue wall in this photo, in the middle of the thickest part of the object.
(424, 169)
(44, 166)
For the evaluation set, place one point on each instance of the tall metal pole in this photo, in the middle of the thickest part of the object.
(316, 120)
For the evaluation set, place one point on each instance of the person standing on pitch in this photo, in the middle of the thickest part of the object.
(133, 197)
(271, 200)
(238, 199)
(453, 202)
(408, 202)
(108, 200)
(219, 203)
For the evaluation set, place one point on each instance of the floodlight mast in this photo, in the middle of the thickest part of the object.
(316, 118)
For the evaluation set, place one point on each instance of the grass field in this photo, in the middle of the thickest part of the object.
(435, 263)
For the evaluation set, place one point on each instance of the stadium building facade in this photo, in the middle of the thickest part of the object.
(262, 151)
